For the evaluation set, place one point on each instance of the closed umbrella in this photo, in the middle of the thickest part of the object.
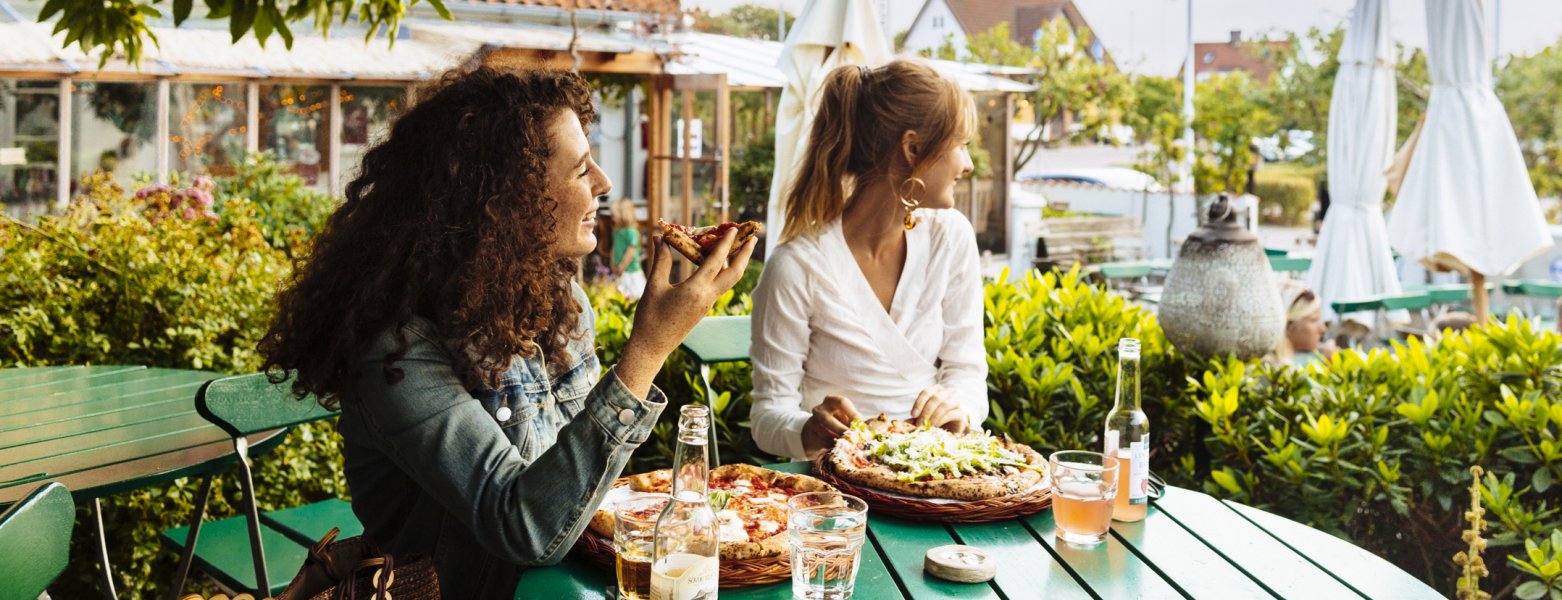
(1467, 203)
(828, 34)
(1353, 259)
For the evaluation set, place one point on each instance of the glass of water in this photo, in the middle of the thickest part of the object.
(826, 530)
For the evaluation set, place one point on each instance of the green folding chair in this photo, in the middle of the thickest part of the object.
(35, 541)
(717, 340)
(242, 405)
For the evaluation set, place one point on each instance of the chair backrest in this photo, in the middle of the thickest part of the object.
(719, 339)
(35, 539)
(246, 404)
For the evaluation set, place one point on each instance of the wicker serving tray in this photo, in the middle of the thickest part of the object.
(734, 573)
(975, 511)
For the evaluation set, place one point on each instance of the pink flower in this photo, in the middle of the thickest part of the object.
(205, 183)
(189, 213)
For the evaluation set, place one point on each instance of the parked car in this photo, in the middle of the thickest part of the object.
(1114, 177)
(1297, 143)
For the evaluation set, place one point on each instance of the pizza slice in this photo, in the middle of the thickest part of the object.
(696, 243)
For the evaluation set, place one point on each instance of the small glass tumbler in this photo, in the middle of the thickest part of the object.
(826, 530)
(1083, 487)
(634, 532)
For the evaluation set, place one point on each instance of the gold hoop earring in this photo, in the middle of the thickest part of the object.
(908, 200)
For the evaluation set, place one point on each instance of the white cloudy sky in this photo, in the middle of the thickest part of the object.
(1148, 36)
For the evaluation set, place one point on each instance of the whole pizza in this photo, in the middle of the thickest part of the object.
(931, 462)
(750, 503)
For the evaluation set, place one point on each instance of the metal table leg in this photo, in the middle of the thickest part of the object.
(108, 574)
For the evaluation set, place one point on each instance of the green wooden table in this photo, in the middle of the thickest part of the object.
(1190, 546)
(103, 430)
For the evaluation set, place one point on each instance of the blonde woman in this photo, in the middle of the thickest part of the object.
(1304, 327)
(872, 303)
(626, 250)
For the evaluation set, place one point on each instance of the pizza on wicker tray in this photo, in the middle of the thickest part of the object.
(930, 462)
(753, 519)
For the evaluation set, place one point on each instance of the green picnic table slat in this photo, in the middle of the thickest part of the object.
(97, 389)
(98, 456)
(1184, 560)
(76, 385)
(1110, 569)
(905, 543)
(1026, 569)
(145, 433)
(719, 339)
(19, 376)
(129, 475)
(92, 423)
(1284, 264)
(1278, 568)
(1363, 571)
(1541, 289)
(175, 388)
(1359, 305)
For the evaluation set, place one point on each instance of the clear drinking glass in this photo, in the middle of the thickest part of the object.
(826, 530)
(1083, 487)
(634, 532)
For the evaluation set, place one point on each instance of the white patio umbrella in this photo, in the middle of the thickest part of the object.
(828, 34)
(1467, 203)
(1353, 259)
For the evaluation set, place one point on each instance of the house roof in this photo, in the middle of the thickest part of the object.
(1255, 57)
(211, 53)
(752, 63)
(1024, 17)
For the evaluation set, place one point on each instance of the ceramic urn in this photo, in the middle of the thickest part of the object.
(1220, 297)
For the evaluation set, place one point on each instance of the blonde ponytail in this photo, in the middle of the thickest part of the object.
(863, 113)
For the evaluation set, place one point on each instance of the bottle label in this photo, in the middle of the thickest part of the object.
(1139, 470)
(685, 577)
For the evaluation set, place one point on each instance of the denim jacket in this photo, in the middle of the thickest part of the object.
(433, 471)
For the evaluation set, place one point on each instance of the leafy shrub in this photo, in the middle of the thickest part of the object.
(289, 212)
(1374, 448)
(171, 276)
(680, 380)
(1287, 192)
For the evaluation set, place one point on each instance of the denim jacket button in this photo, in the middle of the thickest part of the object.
(626, 416)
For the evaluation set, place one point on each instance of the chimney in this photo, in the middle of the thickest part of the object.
(1236, 36)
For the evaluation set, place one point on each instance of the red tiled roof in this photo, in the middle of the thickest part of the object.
(1023, 16)
(1255, 57)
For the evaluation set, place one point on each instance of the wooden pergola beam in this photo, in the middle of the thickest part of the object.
(627, 63)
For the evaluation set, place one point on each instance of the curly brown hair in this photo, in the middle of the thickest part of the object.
(449, 219)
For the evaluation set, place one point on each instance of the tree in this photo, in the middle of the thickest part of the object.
(753, 21)
(1529, 90)
(1227, 116)
(1072, 88)
(119, 27)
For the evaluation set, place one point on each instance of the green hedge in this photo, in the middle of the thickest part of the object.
(1288, 193)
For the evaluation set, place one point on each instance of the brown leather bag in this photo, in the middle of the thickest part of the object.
(354, 569)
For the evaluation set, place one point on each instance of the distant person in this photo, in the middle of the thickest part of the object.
(626, 250)
(1454, 322)
(1304, 327)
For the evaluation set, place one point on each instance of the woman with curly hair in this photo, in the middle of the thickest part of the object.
(438, 310)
